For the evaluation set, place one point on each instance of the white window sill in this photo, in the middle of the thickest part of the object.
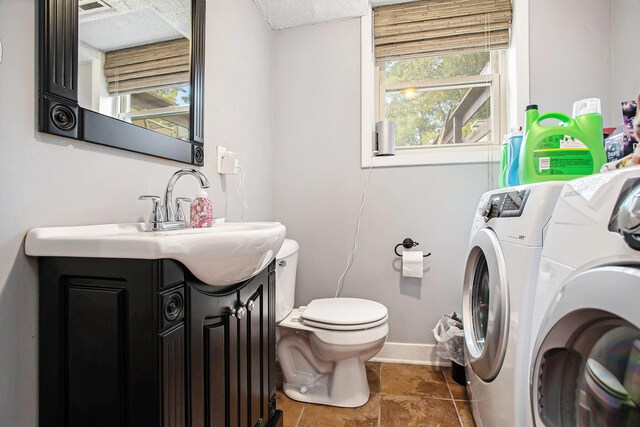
(435, 156)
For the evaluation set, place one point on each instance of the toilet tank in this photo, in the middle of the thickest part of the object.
(286, 265)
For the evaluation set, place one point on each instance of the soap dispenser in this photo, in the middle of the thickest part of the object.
(201, 211)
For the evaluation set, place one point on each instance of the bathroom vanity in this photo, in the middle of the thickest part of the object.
(142, 343)
(137, 342)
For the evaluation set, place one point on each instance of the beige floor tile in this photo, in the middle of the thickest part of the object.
(416, 411)
(464, 410)
(373, 376)
(291, 409)
(330, 416)
(457, 391)
(417, 380)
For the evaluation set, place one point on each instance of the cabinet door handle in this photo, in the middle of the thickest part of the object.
(238, 313)
(249, 305)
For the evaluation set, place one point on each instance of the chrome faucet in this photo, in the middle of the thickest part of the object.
(165, 216)
(168, 195)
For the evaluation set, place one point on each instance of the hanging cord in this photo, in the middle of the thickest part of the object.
(355, 237)
(226, 204)
(225, 190)
(241, 178)
(495, 132)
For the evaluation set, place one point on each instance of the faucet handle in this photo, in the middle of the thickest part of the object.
(156, 213)
(179, 214)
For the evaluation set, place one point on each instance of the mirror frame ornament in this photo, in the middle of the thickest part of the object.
(60, 114)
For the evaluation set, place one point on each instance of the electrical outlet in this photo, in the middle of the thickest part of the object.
(221, 152)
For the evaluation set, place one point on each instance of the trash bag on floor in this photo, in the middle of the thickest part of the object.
(450, 337)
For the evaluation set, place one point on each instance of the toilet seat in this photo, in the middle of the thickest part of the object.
(343, 314)
(334, 327)
(358, 336)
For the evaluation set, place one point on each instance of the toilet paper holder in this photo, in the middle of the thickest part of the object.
(408, 243)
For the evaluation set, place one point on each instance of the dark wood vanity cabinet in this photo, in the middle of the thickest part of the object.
(142, 343)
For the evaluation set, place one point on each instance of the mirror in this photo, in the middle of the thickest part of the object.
(134, 62)
(125, 73)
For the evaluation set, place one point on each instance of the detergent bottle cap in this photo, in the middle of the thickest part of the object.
(586, 106)
(515, 131)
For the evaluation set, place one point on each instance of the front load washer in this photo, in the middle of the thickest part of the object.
(501, 271)
(585, 368)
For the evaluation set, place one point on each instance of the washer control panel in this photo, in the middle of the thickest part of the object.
(509, 204)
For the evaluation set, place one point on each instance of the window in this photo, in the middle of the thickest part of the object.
(164, 111)
(150, 84)
(437, 69)
(442, 101)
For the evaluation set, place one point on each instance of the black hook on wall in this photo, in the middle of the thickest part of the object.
(408, 243)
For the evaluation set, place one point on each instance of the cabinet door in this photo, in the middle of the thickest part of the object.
(254, 353)
(98, 363)
(214, 367)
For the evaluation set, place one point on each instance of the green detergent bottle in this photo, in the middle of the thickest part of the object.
(561, 153)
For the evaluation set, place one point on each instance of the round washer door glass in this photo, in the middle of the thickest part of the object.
(485, 305)
(587, 372)
(480, 301)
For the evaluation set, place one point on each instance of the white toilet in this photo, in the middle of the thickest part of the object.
(322, 347)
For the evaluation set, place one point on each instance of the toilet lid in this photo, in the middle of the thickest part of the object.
(344, 311)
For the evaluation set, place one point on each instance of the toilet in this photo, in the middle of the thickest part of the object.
(322, 347)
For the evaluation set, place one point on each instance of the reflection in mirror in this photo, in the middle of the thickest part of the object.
(134, 62)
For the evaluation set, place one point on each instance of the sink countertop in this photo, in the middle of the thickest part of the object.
(221, 255)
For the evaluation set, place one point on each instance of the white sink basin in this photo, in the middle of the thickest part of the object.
(222, 255)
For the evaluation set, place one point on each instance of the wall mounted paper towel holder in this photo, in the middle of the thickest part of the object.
(408, 243)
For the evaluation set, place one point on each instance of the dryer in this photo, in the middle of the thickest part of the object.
(585, 368)
(502, 264)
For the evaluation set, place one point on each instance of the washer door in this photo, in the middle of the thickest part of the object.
(587, 360)
(485, 305)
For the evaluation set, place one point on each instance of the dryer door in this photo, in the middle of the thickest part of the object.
(586, 370)
(485, 305)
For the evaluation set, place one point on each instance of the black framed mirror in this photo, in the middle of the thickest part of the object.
(109, 76)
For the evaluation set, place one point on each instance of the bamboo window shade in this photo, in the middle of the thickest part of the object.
(440, 27)
(147, 67)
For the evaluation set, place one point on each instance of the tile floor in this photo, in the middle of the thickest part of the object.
(401, 396)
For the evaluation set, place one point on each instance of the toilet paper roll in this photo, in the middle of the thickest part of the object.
(412, 264)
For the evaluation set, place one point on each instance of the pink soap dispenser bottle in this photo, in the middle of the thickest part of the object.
(201, 211)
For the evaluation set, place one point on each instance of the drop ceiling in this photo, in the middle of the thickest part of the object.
(281, 14)
(108, 25)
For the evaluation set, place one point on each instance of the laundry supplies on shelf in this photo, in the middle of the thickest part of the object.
(562, 152)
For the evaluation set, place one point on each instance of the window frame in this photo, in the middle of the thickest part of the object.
(372, 101)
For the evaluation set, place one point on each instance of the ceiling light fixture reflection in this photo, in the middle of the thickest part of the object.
(410, 93)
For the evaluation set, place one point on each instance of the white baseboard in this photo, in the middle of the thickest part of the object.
(417, 354)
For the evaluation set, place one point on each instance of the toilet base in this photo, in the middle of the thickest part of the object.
(346, 387)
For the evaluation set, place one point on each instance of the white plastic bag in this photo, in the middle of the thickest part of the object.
(450, 337)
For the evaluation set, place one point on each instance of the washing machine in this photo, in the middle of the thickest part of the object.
(585, 368)
(501, 270)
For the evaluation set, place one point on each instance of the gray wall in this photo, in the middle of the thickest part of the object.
(625, 81)
(569, 53)
(319, 184)
(48, 181)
